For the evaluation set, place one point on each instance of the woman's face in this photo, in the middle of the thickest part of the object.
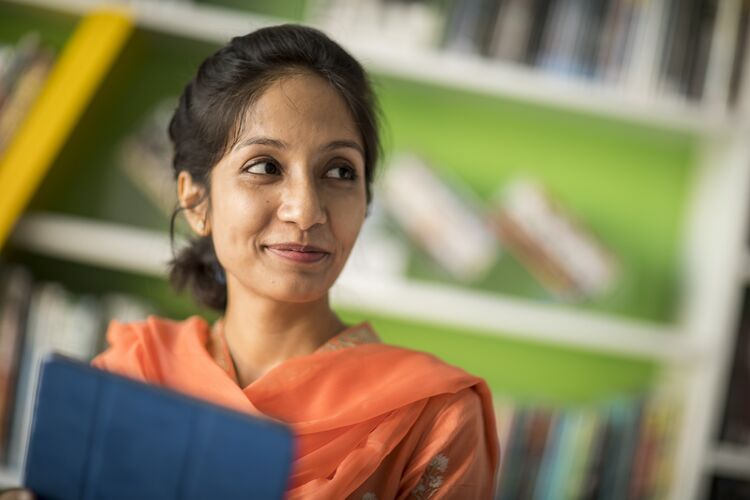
(288, 200)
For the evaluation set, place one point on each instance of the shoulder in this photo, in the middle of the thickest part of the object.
(403, 376)
(135, 348)
(457, 453)
(455, 416)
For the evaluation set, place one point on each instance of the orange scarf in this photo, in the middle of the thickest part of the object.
(373, 421)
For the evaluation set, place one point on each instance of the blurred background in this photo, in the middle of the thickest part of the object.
(562, 209)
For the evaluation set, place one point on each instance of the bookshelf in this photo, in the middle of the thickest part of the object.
(143, 251)
(632, 342)
(729, 461)
(68, 89)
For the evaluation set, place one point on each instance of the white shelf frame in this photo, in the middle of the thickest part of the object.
(131, 249)
(730, 461)
(707, 315)
(476, 74)
(9, 477)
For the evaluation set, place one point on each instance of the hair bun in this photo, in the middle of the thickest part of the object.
(196, 267)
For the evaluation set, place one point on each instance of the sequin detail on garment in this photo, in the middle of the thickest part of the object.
(432, 479)
(351, 337)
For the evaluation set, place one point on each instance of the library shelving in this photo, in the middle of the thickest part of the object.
(666, 179)
(729, 461)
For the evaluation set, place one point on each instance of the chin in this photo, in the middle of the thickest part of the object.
(298, 293)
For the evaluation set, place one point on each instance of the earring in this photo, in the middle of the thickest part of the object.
(201, 225)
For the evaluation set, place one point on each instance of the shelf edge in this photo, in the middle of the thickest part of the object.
(132, 249)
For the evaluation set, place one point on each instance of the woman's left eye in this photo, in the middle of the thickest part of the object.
(342, 172)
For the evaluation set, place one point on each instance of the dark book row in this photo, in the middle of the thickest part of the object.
(729, 489)
(595, 39)
(37, 318)
(735, 426)
(620, 449)
(659, 46)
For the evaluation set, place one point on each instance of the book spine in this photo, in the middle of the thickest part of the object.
(16, 294)
(80, 69)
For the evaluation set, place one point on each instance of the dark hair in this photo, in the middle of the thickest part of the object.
(208, 121)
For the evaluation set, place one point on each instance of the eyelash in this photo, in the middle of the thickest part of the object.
(353, 176)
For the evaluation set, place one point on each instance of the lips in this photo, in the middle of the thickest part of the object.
(294, 252)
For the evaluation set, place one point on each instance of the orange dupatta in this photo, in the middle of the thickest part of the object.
(372, 421)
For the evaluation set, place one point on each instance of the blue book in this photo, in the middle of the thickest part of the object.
(99, 435)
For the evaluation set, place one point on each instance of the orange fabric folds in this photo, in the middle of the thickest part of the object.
(373, 421)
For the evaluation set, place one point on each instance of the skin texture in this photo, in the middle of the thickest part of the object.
(296, 175)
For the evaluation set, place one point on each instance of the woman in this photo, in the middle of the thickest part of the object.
(276, 143)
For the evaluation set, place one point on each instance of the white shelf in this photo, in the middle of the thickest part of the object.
(731, 461)
(219, 24)
(142, 251)
(9, 478)
(516, 81)
(509, 317)
(111, 246)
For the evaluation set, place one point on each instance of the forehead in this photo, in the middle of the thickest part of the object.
(298, 108)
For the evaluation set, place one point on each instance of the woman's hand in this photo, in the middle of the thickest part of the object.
(17, 494)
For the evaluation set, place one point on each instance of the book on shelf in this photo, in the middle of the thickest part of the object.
(15, 293)
(62, 99)
(729, 489)
(442, 216)
(510, 35)
(688, 35)
(39, 318)
(23, 70)
(535, 437)
(403, 23)
(559, 250)
(740, 55)
(612, 450)
(146, 157)
(736, 422)
(468, 26)
(595, 40)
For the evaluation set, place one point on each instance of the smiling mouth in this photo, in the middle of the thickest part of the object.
(303, 254)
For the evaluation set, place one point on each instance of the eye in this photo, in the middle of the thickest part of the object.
(263, 167)
(343, 172)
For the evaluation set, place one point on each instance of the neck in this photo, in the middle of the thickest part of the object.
(261, 332)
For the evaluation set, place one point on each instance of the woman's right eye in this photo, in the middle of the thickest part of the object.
(263, 168)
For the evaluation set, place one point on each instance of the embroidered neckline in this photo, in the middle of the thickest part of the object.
(351, 336)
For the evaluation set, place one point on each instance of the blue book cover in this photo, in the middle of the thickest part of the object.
(98, 435)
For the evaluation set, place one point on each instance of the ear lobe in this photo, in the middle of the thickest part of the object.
(192, 200)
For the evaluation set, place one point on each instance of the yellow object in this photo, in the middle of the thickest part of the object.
(83, 64)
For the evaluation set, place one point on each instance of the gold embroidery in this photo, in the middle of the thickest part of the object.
(432, 479)
(351, 338)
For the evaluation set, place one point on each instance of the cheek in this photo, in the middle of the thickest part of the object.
(238, 218)
(347, 220)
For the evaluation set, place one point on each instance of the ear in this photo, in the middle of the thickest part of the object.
(194, 200)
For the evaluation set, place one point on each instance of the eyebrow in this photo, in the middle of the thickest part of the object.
(267, 141)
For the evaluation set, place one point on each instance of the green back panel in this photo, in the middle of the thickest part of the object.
(628, 183)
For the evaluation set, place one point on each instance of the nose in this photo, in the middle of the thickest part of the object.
(302, 204)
